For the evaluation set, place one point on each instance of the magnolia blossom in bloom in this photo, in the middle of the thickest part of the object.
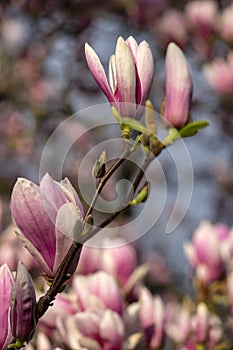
(6, 284)
(23, 303)
(178, 87)
(204, 253)
(219, 74)
(48, 217)
(131, 72)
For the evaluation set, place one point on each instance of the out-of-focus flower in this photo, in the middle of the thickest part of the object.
(226, 24)
(178, 325)
(11, 251)
(219, 74)
(178, 87)
(48, 218)
(172, 27)
(100, 330)
(131, 72)
(116, 257)
(204, 253)
(6, 284)
(152, 317)
(23, 303)
(206, 328)
(202, 17)
(98, 291)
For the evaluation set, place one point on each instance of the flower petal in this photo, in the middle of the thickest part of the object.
(126, 80)
(53, 196)
(6, 284)
(35, 253)
(133, 46)
(30, 216)
(112, 74)
(71, 194)
(145, 69)
(68, 228)
(97, 71)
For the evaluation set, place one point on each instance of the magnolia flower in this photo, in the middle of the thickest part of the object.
(23, 303)
(204, 253)
(152, 316)
(178, 86)
(131, 72)
(48, 218)
(6, 284)
(219, 74)
(115, 256)
(98, 291)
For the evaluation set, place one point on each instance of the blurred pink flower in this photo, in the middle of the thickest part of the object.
(116, 257)
(98, 291)
(178, 87)
(131, 72)
(204, 253)
(219, 74)
(202, 17)
(178, 324)
(152, 316)
(172, 27)
(93, 330)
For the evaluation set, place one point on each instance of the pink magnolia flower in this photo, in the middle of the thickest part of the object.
(152, 317)
(219, 74)
(131, 72)
(116, 257)
(206, 328)
(178, 324)
(178, 86)
(204, 253)
(202, 17)
(93, 330)
(98, 291)
(48, 217)
(6, 284)
(23, 303)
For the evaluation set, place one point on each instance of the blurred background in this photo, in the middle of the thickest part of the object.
(44, 79)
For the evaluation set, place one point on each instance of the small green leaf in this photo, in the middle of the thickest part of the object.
(135, 125)
(192, 128)
(17, 345)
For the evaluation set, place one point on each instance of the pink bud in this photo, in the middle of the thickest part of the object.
(23, 303)
(178, 86)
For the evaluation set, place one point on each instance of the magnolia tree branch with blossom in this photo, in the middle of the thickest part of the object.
(53, 225)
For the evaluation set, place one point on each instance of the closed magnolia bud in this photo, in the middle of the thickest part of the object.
(23, 303)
